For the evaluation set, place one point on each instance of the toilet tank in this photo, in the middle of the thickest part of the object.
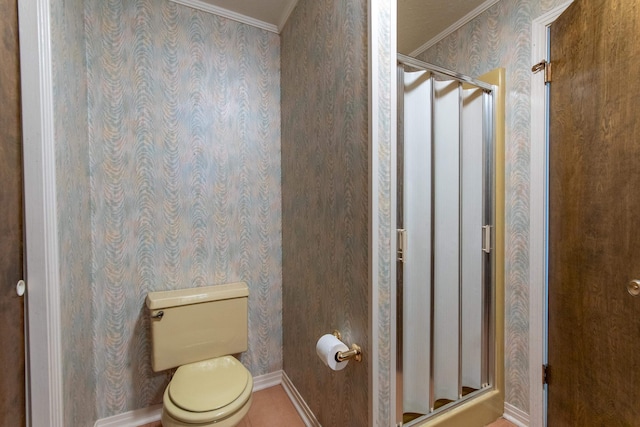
(197, 324)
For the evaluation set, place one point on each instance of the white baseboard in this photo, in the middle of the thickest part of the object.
(515, 415)
(268, 380)
(301, 406)
(153, 413)
(132, 418)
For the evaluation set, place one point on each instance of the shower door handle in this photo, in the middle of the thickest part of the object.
(633, 287)
(486, 239)
(402, 244)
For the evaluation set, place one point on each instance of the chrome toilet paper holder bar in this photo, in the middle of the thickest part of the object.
(355, 353)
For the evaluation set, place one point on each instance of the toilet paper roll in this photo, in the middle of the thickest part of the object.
(327, 347)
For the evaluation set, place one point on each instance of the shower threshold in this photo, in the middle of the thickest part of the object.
(441, 406)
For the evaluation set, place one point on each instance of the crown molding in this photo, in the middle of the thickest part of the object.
(226, 13)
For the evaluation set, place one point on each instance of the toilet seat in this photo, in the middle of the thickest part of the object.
(208, 391)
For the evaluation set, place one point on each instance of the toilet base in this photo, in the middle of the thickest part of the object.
(234, 419)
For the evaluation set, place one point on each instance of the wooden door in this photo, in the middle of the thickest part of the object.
(594, 224)
(12, 380)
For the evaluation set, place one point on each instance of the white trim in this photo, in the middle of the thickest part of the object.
(394, 408)
(516, 416)
(537, 310)
(455, 26)
(132, 418)
(268, 380)
(153, 413)
(41, 235)
(226, 13)
(301, 406)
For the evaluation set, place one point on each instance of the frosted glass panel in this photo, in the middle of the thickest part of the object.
(443, 271)
(471, 251)
(417, 266)
(445, 195)
(446, 238)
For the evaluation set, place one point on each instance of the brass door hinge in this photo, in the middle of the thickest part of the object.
(543, 66)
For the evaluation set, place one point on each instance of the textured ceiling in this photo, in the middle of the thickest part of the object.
(419, 21)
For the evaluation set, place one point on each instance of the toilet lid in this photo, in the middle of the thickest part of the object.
(208, 385)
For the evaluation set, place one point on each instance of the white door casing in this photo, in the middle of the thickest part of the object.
(538, 207)
(44, 365)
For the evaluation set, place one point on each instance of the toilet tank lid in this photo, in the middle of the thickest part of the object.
(165, 299)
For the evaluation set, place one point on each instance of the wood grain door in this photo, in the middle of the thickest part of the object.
(594, 224)
(12, 379)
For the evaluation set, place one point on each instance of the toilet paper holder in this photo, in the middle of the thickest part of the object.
(355, 353)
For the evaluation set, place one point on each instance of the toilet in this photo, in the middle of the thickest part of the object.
(198, 331)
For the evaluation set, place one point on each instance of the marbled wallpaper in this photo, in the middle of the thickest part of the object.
(383, 127)
(69, 72)
(170, 167)
(184, 156)
(501, 37)
(325, 202)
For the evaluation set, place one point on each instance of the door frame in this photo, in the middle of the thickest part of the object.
(538, 205)
(42, 317)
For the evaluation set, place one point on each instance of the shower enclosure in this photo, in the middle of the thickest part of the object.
(446, 266)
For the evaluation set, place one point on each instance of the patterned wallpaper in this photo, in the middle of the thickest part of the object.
(184, 167)
(325, 202)
(73, 210)
(382, 50)
(501, 37)
(184, 144)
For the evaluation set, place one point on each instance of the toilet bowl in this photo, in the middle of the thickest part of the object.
(212, 392)
(197, 330)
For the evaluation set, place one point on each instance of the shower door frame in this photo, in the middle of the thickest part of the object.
(486, 404)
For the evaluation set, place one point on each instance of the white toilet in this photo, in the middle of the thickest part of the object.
(197, 330)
